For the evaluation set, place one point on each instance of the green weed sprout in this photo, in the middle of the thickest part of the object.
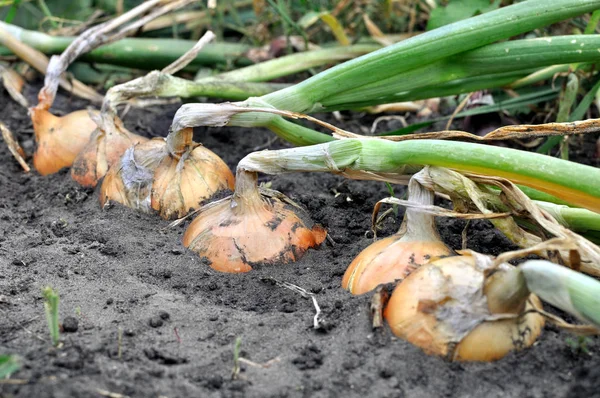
(51, 301)
(9, 364)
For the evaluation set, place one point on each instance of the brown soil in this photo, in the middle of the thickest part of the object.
(118, 271)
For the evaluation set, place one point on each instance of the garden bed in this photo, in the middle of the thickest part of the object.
(154, 320)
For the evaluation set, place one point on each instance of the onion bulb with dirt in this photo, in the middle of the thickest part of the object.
(462, 309)
(250, 228)
(59, 139)
(395, 257)
(171, 176)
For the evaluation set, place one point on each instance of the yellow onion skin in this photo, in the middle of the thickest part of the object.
(113, 188)
(101, 152)
(182, 184)
(59, 139)
(388, 260)
(129, 180)
(438, 309)
(235, 233)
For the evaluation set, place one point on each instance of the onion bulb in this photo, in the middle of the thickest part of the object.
(395, 257)
(459, 308)
(166, 176)
(389, 260)
(59, 139)
(103, 149)
(250, 228)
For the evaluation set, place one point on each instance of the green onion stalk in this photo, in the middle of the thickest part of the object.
(147, 53)
(467, 72)
(420, 63)
(426, 49)
(540, 75)
(492, 66)
(500, 60)
(157, 53)
(579, 220)
(372, 158)
(241, 83)
(564, 288)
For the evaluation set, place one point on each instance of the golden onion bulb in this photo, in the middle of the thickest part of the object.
(447, 309)
(182, 184)
(246, 229)
(149, 177)
(59, 139)
(388, 260)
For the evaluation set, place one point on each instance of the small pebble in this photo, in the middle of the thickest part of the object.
(155, 322)
(215, 382)
(164, 315)
(70, 324)
(18, 262)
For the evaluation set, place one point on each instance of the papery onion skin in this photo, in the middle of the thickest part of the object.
(100, 153)
(388, 260)
(234, 236)
(129, 180)
(113, 188)
(423, 311)
(177, 188)
(59, 139)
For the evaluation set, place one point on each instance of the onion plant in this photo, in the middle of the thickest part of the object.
(395, 257)
(59, 139)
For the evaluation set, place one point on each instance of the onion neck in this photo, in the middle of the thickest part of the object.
(506, 290)
(45, 99)
(179, 142)
(42, 121)
(246, 195)
(419, 225)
